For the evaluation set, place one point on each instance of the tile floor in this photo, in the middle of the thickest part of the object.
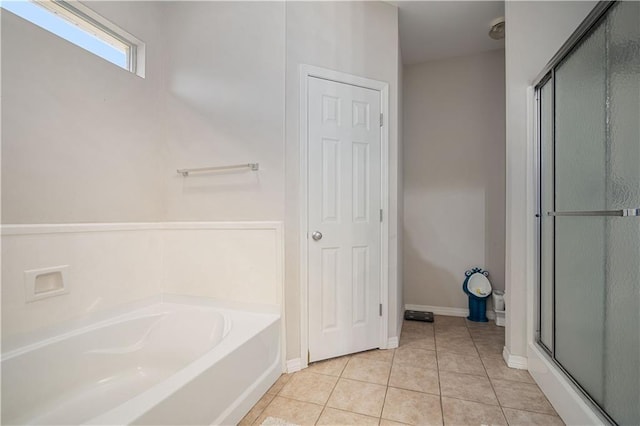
(450, 371)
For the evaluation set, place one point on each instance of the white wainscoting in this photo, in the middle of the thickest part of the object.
(240, 262)
(113, 264)
(107, 266)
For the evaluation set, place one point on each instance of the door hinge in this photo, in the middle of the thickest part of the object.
(381, 119)
(381, 309)
(381, 216)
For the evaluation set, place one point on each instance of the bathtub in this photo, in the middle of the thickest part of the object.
(166, 363)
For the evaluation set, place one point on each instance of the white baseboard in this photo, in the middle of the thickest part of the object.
(444, 310)
(514, 361)
(393, 342)
(439, 310)
(294, 365)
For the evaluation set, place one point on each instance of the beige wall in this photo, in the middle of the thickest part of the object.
(454, 150)
(107, 143)
(358, 38)
(225, 105)
(535, 32)
(81, 140)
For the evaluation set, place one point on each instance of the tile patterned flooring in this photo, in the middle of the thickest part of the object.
(449, 372)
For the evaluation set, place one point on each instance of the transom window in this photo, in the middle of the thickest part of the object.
(83, 27)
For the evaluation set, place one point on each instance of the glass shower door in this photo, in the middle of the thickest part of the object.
(590, 213)
(580, 188)
(622, 262)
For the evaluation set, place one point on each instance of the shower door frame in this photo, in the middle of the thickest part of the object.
(547, 76)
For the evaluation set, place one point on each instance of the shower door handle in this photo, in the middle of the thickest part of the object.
(621, 213)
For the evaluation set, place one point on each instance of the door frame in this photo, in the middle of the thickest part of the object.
(306, 72)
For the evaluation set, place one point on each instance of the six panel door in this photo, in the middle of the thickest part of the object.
(344, 204)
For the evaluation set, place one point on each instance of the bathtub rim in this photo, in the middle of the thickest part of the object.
(18, 229)
(22, 343)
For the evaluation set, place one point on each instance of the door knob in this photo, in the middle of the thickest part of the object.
(317, 235)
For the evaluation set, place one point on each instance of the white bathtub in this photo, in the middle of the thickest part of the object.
(167, 363)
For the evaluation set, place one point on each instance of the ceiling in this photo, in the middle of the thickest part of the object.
(441, 29)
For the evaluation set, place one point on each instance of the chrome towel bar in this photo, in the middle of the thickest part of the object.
(252, 166)
(622, 212)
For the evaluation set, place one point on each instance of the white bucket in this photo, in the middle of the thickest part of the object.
(498, 300)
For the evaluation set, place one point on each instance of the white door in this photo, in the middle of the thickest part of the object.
(344, 218)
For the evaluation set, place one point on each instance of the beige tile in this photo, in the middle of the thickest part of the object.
(487, 331)
(489, 348)
(411, 407)
(455, 336)
(450, 322)
(487, 336)
(467, 387)
(523, 396)
(527, 418)
(383, 355)
(417, 333)
(385, 422)
(297, 412)
(424, 342)
(444, 320)
(358, 397)
(414, 357)
(497, 369)
(309, 387)
(414, 335)
(417, 326)
(330, 367)
(367, 370)
(461, 345)
(415, 378)
(257, 409)
(490, 351)
(466, 413)
(279, 384)
(480, 335)
(331, 416)
(475, 324)
(490, 324)
(452, 331)
(458, 363)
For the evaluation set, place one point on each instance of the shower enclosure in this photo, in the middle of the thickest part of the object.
(588, 125)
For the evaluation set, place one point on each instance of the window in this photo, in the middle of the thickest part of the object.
(83, 27)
